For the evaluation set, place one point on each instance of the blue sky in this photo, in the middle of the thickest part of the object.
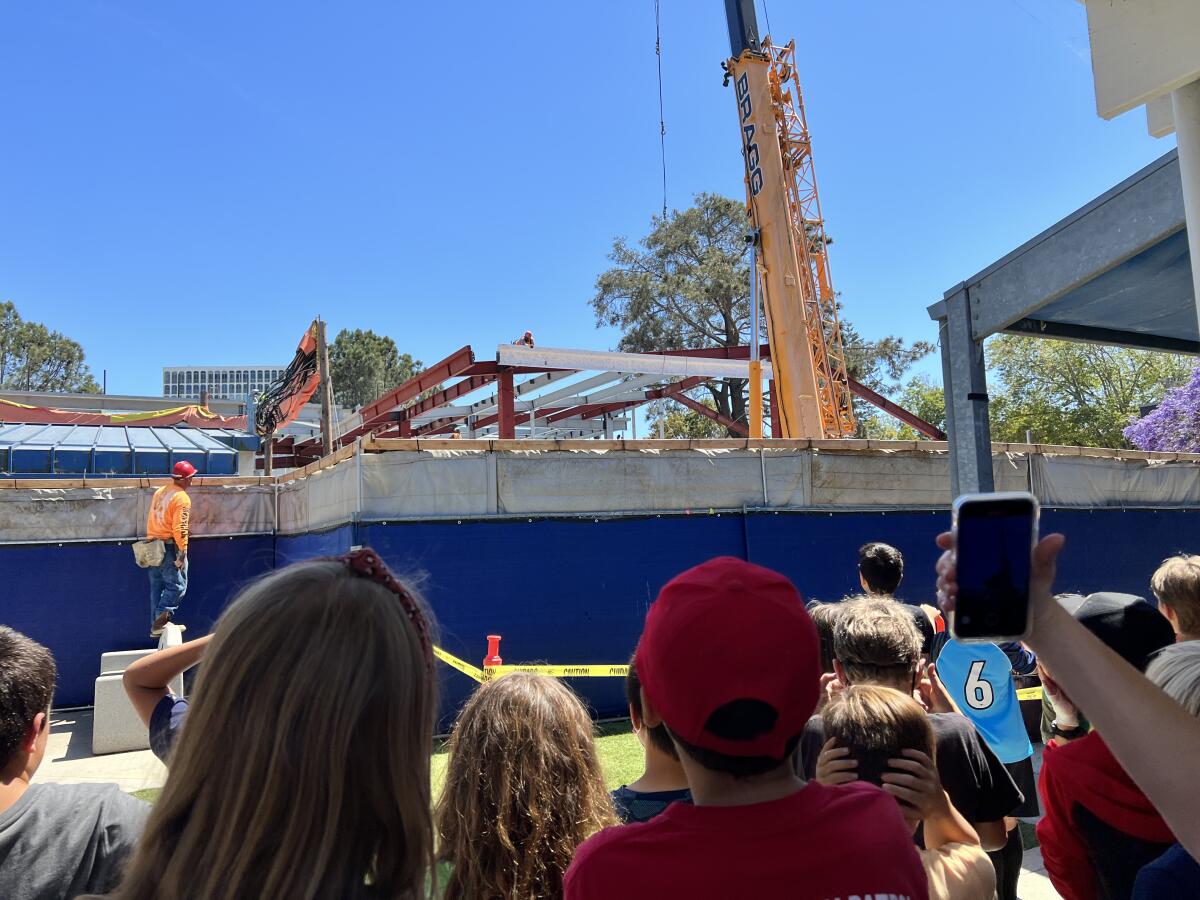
(191, 183)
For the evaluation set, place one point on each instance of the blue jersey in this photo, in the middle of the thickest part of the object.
(979, 678)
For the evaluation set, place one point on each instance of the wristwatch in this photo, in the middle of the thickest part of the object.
(1068, 734)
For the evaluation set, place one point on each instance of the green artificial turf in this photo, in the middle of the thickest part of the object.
(620, 757)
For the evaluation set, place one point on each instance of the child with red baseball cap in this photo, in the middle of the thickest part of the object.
(730, 663)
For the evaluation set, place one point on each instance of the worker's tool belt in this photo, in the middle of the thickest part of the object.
(149, 554)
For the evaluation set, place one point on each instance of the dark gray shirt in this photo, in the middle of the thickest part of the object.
(62, 840)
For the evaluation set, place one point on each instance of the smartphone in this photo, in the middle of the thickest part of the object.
(994, 536)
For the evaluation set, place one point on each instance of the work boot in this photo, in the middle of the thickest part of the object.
(160, 623)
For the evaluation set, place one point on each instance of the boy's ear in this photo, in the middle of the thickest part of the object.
(39, 724)
(650, 716)
(840, 672)
(634, 719)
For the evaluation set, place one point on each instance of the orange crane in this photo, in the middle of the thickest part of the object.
(791, 264)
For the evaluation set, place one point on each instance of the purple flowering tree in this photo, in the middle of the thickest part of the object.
(1174, 426)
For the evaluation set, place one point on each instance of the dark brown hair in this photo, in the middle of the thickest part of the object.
(881, 566)
(27, 674)
(825, 616)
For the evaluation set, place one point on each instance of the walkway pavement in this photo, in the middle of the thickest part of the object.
(69, 758)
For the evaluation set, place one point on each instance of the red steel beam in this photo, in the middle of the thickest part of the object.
(505, 398)
(736, 427)
(452, 365)
(897, 411)
(374, 414)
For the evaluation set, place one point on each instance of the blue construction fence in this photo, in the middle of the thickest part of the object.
(559, 590)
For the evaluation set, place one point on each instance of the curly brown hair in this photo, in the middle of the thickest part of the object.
(523, 790)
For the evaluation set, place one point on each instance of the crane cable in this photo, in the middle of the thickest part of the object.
(767, 17)
(662, 122)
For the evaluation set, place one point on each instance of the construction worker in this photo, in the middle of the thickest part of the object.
(170, 514)
(525, 340)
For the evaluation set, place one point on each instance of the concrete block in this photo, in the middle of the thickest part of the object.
(116, 727)
(117, 661)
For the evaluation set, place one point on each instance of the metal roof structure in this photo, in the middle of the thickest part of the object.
(118, 450)
(548, 393)
(1116, 271)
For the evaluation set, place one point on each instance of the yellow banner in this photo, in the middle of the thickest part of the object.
(123, 418)
(1033, 693)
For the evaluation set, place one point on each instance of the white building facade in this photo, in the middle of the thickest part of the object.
(221, 382)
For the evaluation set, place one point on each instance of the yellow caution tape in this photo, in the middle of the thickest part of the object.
(584, 671)
(455, 663)
(600, 671)
(1033, 693)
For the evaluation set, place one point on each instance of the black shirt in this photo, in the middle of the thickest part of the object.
(978, 784)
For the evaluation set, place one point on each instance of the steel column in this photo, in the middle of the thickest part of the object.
(1185, 105)
(965, 383)
(507, 420)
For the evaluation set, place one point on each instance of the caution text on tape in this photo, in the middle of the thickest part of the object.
(455, 663)
(568, 671)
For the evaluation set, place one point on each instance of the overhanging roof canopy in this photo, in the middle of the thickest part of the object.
(1117, 271)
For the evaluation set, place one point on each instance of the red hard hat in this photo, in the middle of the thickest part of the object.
(183, 469)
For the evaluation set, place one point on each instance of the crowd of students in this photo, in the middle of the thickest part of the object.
(836, 751)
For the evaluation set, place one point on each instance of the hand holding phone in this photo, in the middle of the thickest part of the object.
(994, 539)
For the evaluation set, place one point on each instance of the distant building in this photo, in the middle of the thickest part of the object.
(221, 382)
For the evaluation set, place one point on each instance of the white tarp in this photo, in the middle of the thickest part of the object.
(899, 478)
(1084, 481)
(627, 481)
(109, 513)
(429, 484)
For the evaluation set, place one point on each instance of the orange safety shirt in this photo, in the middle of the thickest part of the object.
(170, 512)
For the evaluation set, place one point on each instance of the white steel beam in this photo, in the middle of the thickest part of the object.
(625, 363)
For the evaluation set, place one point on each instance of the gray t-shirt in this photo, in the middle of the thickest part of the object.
(62, 840)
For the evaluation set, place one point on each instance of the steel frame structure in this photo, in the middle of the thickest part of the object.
(532, 394)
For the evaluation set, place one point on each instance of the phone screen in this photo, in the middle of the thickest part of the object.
(994, 541)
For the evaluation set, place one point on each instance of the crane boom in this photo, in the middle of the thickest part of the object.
(814, 398)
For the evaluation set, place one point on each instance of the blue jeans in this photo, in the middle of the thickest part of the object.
(167, 584)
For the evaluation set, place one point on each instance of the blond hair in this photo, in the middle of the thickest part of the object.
(876, 723)
(523, 790)
(1176, 583)
(303, 768)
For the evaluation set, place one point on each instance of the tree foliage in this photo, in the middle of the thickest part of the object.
(676, 422)
(1174, 425)
(1062, 392)
(880, 365)
(686, 285)
(363, 365)
(1071, 393)
(34, 358)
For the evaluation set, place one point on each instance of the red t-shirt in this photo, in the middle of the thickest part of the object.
(823, 843)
